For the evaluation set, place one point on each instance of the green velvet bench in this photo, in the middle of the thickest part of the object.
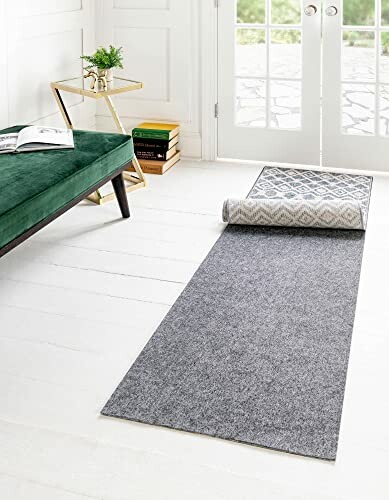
(38, 187)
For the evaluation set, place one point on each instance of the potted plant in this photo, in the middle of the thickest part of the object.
(105, 60)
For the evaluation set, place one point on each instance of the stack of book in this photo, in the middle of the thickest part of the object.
(156, 146)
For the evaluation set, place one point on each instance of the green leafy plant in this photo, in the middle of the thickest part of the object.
(352, 38)
(105, 58)
(385, 43)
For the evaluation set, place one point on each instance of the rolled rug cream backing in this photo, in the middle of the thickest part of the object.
(332, 214)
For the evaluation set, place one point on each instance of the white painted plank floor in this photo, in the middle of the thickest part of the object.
(79, 301)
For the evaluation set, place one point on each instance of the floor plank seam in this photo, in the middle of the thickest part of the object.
(113, 252)
(170, 210)
(40, 380)
(47, 343)
(69, 316)
(102, 271)
(115, 445)
(51, 486)
(89, 439)
(88, 292)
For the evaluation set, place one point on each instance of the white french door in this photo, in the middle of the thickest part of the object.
(304, 82)
(356, 84)
(269, 81)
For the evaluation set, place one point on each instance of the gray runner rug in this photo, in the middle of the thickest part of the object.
(256, 347)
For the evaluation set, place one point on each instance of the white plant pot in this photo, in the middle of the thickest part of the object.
(109, 75)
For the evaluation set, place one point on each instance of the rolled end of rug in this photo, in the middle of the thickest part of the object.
(324, 214)
(226, 213)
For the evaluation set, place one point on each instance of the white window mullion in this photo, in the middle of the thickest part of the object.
(268, 42)
(378, 57)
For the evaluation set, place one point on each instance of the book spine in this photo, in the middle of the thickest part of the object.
(149, 169)
(151, 134)
(155, 154)
(152, 170)
(160, 146)
(146, 146)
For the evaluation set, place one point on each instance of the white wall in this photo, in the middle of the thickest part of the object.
(160, 39)
(41, 41)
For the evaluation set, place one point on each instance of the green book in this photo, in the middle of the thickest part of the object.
(162, 131)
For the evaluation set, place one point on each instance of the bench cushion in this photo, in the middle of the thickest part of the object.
(35, 185)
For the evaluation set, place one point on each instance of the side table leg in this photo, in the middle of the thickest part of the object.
(62, 108)
(141, 179)
(95, 197)
(115, 116)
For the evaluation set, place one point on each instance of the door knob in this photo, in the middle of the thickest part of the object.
(331, 11)
(310, 10)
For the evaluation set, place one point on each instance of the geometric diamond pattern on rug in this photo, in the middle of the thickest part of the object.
(295, 184)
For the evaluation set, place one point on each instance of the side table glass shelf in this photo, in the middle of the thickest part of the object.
(80, 86)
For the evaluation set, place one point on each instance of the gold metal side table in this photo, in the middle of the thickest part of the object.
(118, 86)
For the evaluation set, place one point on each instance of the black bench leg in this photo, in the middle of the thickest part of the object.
(121, 195)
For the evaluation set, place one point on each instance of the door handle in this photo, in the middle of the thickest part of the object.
(310, 10)
(331, 11)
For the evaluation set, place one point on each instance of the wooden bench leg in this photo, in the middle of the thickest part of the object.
(121, 195)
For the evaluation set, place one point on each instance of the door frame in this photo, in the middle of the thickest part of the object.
(209, 77)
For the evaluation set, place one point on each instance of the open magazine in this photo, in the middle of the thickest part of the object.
(35, 138)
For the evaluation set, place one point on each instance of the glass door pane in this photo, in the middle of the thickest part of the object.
(268, 64)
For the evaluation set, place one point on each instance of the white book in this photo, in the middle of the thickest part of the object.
(36, 138)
